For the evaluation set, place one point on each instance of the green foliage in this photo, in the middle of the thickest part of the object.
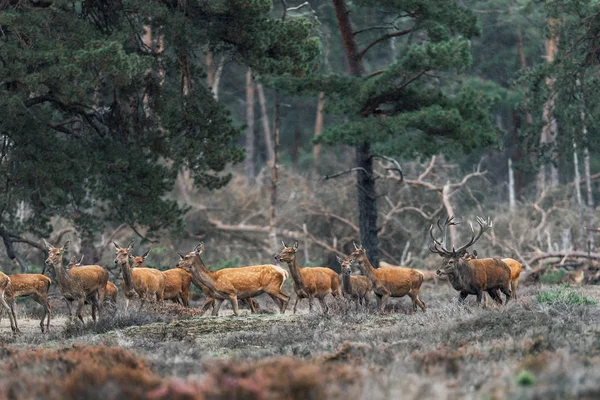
(526, 378)
(553, 277)
(95, 124)
(564, 295)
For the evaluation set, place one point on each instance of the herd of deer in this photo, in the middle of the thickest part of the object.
(90, 285)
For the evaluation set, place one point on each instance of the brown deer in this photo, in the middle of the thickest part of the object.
(4, 284)
(515, 270)
(357, 288)
(310, 282)
(389, 282)
(35, 286)
(234, 284)
(110, 292)
(78, 284)
(473, 276)
(177, 281)
(147, 283)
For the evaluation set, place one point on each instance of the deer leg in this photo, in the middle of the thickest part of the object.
(210, 301)
(384, 299)
(234, 304)
(324, 306)
(14, 316)
(366, 301)
(513, 287)
(78, 312)
(479, 296)
(252, 304)
(185, 298)
(95, 306)
(41, 301)
(11, 317)
(126, 303)
(280, 299)
(296, 303)
(494, 294)
(421, 304)
(462, 297)
(217, 306)
(507, 292)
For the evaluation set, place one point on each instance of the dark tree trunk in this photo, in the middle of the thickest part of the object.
(249, 162)
(297, 134)
(367, 199)
(367, 203)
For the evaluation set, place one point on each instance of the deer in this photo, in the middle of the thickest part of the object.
(4, 284)
(515, 270)
(357, 288)
(389, 281)
(110, 291)
(474, 276)
(309, 282)
(177, 281)
(147, 283)
(35, 286)
(78, 284)
(234, 284)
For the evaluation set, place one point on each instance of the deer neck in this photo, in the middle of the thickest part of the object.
(63, 276)
(295, 271)
(463, 275)
(367, 268)
(127, 276)
(346, 282)
(202, 276)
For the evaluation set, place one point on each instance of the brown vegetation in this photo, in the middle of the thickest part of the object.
(473, 276)
(389, 282)
(78, 283)
(236, 283)
(147, 283)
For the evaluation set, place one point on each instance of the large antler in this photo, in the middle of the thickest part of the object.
(439, 247)
(483, 226)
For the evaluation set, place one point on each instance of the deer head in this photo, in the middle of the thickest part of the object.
(186, 262)
(74, 262)
(123, 253)
(346, 265)
(288, 254)
(55, 254)
(138, 261)
(451, 258)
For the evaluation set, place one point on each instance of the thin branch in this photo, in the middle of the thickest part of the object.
(373, 28)
(347, 172)
(381, 39)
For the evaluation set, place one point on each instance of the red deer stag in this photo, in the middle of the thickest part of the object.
(234, 284)
(515, 270)
(357, 288)
(79, 283)
(310, 282)
(110, 292)
(35, 286)
(391, 281)
(177, 281)
(4, 284)
(147, 283)
(473, 276)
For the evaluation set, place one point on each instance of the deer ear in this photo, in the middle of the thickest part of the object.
(48, 245)
(200, 248)
(475, 253)
(66, 245)
(283, 243)
(116, 245)
(80, 261)
(181, 257)
(146, 253)
(73, 260)
(130, 245)
(295, 246)
(339, 260)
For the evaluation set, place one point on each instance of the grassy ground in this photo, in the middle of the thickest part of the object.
(546, 345)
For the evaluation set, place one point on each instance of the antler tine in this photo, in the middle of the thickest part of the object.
(431, 234)
(355, 246)
(483, 226)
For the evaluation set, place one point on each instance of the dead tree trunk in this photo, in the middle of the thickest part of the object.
(511, 186)
(318, 130)
(550, 129)
(297, 134)
(367, 198)
(249, 162)
(265, 121)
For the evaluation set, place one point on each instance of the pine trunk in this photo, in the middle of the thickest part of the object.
(274, 176)
(367, 198)
(265, 121)
(318, 130)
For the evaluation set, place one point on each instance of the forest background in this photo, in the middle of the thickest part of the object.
(244, 123)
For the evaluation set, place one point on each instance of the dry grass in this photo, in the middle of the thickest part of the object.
(528, 349)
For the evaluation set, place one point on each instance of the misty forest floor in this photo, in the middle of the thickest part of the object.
(545, 345)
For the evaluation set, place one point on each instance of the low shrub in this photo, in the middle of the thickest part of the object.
(563, 294)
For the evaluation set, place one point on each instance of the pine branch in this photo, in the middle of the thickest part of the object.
(381, 39)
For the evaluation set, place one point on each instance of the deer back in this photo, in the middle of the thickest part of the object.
(320, 280)
(399, 280)
(515, 268)
(247, 281)
(490, 272)
(152, 279)
(176, 281)
(88, 278)
(27, 284)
